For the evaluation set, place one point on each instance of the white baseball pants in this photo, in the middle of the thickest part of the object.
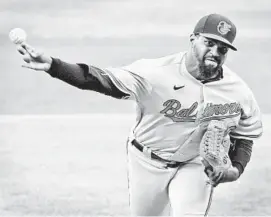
(155, 190)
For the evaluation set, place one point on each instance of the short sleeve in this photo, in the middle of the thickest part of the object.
(250, 123)
(132, 82)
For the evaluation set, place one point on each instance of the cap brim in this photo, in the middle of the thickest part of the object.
(216, 37)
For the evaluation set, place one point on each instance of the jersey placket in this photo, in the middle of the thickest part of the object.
(201, 104)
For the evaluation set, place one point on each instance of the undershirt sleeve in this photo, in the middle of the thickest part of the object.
(85, 77)
(240, 153)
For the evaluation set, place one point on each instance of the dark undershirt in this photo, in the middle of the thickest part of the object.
(85, 77)
(92, 78)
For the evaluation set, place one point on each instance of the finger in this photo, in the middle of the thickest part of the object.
(214, 184)
(33, 66)
(31, 50)
(218, 177)
(207, 166)
(21, 50)
(205, 162)
(38, 53)
(27, 65)
(27, 58)
(209, 182)
(27, 46)
(208, 170)
(212, 176)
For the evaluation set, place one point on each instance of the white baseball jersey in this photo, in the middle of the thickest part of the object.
(172, 106)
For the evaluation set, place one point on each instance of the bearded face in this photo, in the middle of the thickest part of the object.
(210, 56)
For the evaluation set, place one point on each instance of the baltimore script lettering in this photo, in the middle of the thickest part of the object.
(219, 109)
(174, 111)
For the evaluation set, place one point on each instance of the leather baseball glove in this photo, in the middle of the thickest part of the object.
(214, 147)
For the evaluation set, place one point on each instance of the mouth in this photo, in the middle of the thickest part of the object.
(212, 60)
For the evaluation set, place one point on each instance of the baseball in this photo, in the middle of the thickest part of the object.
(17, 36)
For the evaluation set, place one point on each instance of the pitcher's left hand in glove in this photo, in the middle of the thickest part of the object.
(214, 148)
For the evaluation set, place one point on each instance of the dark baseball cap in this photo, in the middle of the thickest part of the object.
(218, 27)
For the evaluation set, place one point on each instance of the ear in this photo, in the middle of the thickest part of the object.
(193, 36)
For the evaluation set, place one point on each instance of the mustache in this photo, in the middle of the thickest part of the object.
(217, 59)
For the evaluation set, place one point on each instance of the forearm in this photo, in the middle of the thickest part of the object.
(84, 77)
(241, 153)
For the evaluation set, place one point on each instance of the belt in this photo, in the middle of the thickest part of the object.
(171, 164)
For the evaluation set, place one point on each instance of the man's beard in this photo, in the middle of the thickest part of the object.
(208, 71)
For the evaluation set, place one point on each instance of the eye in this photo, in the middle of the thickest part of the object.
(223, 50)
(209, 43)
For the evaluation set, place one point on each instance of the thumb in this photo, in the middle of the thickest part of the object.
(33, 66)
(28, 66)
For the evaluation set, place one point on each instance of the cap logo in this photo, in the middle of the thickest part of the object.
(223, 27)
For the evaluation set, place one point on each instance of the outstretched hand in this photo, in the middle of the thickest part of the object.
(34, 59)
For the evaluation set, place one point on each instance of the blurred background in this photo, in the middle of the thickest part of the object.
(114, 33)
(62, 150)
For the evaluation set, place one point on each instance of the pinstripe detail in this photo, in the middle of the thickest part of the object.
(175, 119)
(128, 180)
(248, 136)
(219, 117)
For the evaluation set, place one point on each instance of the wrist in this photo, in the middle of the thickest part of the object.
(239, 166)
(233, 173)
(49, 61)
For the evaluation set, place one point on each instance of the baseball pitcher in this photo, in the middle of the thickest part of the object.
(196, 118)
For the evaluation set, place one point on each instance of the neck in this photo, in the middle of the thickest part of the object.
(193, 67)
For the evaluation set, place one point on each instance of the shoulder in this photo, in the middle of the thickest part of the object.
(233, 79)
(146, 64)
(236, 86)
